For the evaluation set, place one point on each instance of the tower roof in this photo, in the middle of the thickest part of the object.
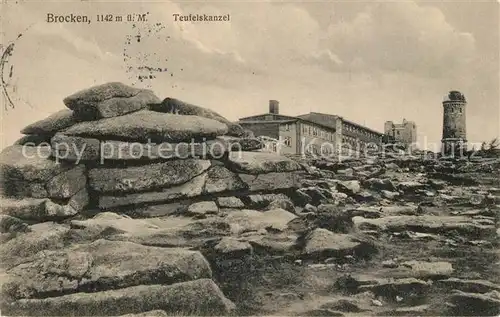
(454, 95)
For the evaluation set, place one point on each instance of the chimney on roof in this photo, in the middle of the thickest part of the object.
(274, 106)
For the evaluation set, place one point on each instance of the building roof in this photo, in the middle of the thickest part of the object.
(329, 119)
(286, 119)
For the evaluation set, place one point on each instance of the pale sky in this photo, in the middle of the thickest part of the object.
(366, 61)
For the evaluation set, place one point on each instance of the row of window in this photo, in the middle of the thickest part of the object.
(457, 110)
(317, 132)
(351, 128)
(318, 149)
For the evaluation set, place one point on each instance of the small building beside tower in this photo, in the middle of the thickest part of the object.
(404, 133)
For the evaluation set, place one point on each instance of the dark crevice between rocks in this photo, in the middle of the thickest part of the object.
(243, 195)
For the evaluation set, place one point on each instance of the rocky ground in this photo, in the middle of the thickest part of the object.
(253, 234)
(386, 236)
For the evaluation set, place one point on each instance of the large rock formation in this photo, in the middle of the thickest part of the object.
(118, 147)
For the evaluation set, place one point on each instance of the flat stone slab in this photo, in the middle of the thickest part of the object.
(42, 209)
(163, 231)
(322, 243)
(230, 202)
(426, 224)
(102, 265)
(146, 177)
(175, 106)
(423, 269)
(398, 287)
(187, 298)
(192, 188)
(119, 150)
(109, 100)
(98, 93)
(216, 180)
(56, 122)
(149, 126)
(246, 220)
(261, 163)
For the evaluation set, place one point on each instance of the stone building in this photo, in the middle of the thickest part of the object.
(454, 123)
(404, 133)
(288, 134)
(313, 132)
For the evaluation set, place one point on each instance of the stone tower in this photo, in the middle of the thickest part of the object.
(454, 139)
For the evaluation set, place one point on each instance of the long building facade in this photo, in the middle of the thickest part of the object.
(312, 133)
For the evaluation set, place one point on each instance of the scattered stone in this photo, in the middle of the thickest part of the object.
(426, 224)
(230, 202)
(273, 244)
(344, 305)
(232, 247)
(310, 208)
(281, 203)
(252, 220)
(270, 181)
(410, 186)
(421, 269)
(261, 162)
(203, 208)
(380, 184)
(390, 264)
(322, 243)
(349, 187)
(376, 302)
(407, 287)
(389, 195)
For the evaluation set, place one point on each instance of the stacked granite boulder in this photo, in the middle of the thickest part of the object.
(121, 150)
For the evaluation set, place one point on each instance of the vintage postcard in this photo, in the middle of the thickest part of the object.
(249, 158)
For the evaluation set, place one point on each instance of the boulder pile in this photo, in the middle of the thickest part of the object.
(121, 149)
